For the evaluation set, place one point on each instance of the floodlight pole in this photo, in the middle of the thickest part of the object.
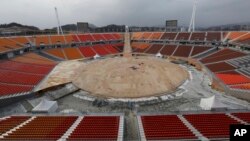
(59, 28)
(192, 22)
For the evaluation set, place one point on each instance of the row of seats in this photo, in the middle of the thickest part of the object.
(174, 50)
(178, 36)
(54, 127)
(23, 73)
(242, 86)
(85, 51)
(97, 128)
(12, 43)
(171, 127)
(212, 126)
(232, 78)
(165, 127)
(11, 122)
(218, 67)
(43, 128)
(222, 55)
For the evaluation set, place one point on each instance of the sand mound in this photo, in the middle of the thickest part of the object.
(130, 77)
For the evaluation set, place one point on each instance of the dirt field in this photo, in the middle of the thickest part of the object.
(130, 77)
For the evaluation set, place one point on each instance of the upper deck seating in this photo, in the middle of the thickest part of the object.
(156, 36)
(57, 39)
(86, 38)
(214, 36)
(198, 36)
(168, 36)
(183, 36)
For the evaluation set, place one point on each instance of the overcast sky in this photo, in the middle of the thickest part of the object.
(41, 13)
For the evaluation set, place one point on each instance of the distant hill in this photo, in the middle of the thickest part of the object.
(16, 27)
(72, 27)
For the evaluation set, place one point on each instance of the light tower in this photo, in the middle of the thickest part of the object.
(192, 22)
(59, 28)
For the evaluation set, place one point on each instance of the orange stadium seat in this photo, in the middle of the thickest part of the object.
(9, 44)
(243, 86)
(72, 53)
(87, 51)
(98, 37)
(108, 36)
(136, 35)
(235, 35)
(146, 35)
(56, 52)
(40, 40)
(156, 36)
(33, 58)
(20, 40)
(57, 39)
(69, 39)
(232, 78)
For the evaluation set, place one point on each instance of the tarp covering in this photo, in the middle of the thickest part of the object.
(46, 106)
(211, 103)
(159, 55)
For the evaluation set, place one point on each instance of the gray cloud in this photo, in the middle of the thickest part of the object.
(130, 12)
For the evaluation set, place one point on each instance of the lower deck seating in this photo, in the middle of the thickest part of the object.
(183, 51)
(10, 89)
(222, 66)
(72, 53)
(242, 86)
(33, 58)
(233, 78)
(96, 128)
(243, 116)
(13, 77)
(165, 127)
(168, 49)
(140, 47)
(99, 49)
(222, 55)
(56, 52)
(23, 73)
(212, 126)
(111, 49)
(199, 49)
(87, 51)
(11, 122)
(43, 128)
(119, 46)
(154, 49)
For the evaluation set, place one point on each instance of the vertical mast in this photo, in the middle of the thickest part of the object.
(192, 22)
(59, 28)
